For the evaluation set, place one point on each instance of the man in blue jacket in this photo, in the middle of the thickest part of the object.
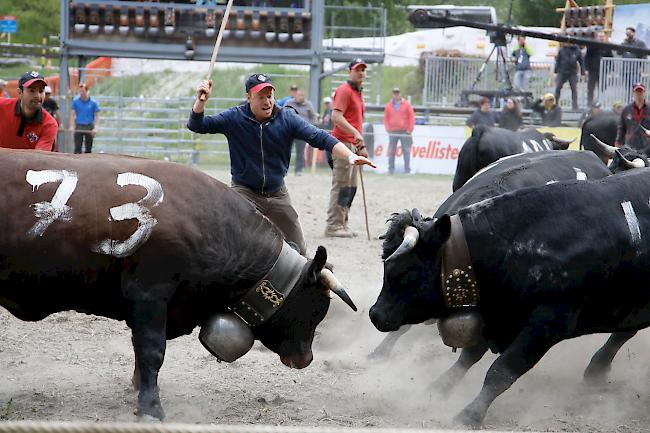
(259, 137)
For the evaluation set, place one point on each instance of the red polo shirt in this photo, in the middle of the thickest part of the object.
(348, 101)
(18, 133)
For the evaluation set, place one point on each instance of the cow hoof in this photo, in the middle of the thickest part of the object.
(595, 376)
(470, 419)
(154, 414)
(148, 419)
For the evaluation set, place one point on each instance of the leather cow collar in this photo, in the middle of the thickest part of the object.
(265, 298)
(459, 285)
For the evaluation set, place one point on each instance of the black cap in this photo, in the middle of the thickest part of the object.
(356, 62)
(29, 78)
(257, 82)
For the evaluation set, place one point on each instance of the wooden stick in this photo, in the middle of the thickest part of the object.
(365, 206)
(215, 50)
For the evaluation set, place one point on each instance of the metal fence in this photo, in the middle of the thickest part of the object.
(617, 76)
(445, 78)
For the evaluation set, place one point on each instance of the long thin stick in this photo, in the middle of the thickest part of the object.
(365, 206)
(215, 50)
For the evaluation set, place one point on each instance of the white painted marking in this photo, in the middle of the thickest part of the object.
(57, 209)
(139, 211)
(550, 182)
(547, 144)
(526, 147)
(632, 222)
(536, 146)
(580, 175)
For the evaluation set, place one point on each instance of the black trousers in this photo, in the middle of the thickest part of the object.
(83, 136)
(572, 78)
(592, 82)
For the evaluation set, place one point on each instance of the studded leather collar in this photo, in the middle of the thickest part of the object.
(268, 294)
(459, 285)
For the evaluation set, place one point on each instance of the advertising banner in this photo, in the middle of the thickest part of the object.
(434, 150)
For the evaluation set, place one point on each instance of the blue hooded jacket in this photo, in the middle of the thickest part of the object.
(260, 152)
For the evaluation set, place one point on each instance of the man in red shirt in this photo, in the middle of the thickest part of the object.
(25, 124)
(399, 121)
(634, 118)
(347, 117)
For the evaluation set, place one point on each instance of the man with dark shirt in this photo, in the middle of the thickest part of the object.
(631, 70)
(482, 115)
(50, 105)
(566, 64)
(592, 65)
(259, 135)
(634, 118)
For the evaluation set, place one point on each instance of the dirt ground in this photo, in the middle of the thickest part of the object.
(77, 367)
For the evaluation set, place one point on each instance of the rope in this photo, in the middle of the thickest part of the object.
(88, 427)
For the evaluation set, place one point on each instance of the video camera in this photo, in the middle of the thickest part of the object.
(433, 17)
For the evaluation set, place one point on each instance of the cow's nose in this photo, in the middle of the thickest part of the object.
(379, 318)
(298, 361)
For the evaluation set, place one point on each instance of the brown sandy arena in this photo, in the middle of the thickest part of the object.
(77, 367)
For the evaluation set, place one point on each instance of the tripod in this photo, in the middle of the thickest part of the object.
(502, 76)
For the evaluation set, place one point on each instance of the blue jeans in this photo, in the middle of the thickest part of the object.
(406, 140)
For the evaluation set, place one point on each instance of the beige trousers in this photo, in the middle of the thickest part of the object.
(344, 187)
(277, 207)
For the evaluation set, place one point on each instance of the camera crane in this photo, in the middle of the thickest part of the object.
(440, 17)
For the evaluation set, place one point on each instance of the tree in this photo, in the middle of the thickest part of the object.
(36, 19)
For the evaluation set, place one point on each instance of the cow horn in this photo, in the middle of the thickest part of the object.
(563, 142)
(411, 236)
(332, 283)
(628, 165)
(605, 148)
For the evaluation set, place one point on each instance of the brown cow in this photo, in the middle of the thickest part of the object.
(160, 245)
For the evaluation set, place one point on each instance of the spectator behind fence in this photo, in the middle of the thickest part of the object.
(24, 124)
(634, 118)
(567, 62)
(510, 116)
(592, 65)
(84, 119)
(521, 58)
(3, 89)
(631, 70)
(50, 105)
(305, 109)
(482, 115)
(548, 108)
(399, 121)
(617, 107)
(292, 94)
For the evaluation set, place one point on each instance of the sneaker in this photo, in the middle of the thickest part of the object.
(338, 233)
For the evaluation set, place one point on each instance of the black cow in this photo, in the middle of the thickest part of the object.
(487, 144)
(160, 245)
(524, 271)
(504, 175)
(622, 158)
(509, 174)
(603, 127)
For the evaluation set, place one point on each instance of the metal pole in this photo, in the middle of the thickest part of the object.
(63, 78)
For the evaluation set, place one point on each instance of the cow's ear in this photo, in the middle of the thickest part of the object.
(317, 265)
(435, 233)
